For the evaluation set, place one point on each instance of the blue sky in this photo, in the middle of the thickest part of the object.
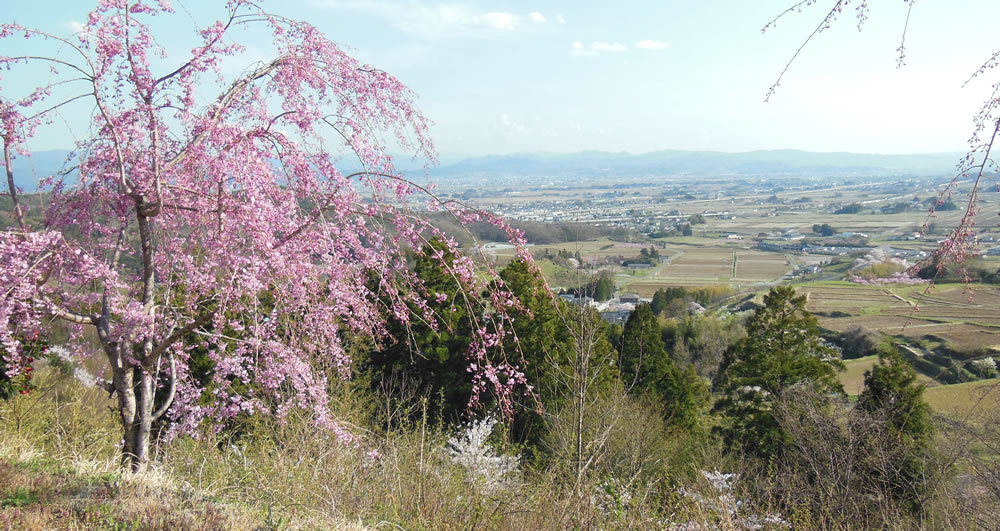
(563, 76)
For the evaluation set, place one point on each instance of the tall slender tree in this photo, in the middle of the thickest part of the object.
(782, 348)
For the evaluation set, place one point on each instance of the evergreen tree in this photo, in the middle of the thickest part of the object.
(647, 368)
(893, 399)
(432, 362)
(604, 289)
(782, 348)
(659, 302)
(544, 340)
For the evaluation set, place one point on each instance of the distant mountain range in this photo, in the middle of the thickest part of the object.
(699, 163)
(784, 162)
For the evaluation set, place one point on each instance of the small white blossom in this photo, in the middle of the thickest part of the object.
(471, 451)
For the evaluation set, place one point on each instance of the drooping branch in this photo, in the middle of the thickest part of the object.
(225, 101)
(54, 310)
(823, 24)
(201, 51)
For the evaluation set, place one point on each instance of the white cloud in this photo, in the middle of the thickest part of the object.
(432, 21)
(560, 19)
(78, 29)
(580, 49)
(608, 46)
(502, 21)
(74, 26)
(512, 125)
(649, 44)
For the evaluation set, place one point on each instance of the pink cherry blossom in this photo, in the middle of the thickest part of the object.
(186, 216)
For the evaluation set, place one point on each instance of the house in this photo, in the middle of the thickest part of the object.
(628, 298)
(615, 312)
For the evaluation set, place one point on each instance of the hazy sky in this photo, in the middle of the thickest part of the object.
(554, 75)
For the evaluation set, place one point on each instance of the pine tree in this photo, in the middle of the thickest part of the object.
(604, 289)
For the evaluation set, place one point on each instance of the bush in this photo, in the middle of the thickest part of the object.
(858, 342)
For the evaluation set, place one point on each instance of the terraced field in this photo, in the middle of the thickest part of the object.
(852, 299)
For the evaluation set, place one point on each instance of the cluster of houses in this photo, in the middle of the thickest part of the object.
(614, 311)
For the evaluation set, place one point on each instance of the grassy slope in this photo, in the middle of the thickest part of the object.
(966, 400)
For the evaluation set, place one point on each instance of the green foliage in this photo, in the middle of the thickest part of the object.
(33, 346)
(893, 396)
(647, 369)
(663, 296)
(424, 361)
(940, 205)
(824, 230)
(604, 288)
(849, 209)
(782, 348)
(544, 340)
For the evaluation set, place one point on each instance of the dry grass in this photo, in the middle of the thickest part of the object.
(760, 266)
(271, 475)
(853, 376)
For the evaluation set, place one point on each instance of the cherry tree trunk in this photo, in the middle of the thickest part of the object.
(135, 389)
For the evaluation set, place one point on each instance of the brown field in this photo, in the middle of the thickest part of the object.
(761, 266)
(949, 313)
(961, 336)
(982, 296)
(853, 377)
(874, 322)
(850, 299)
(946, 314)
(710, 263)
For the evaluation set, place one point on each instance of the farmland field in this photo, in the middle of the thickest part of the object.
(709, 263)
(851, 298)
(946, 313)
(760, 266)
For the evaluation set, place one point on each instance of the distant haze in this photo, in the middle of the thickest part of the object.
(775, 163)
